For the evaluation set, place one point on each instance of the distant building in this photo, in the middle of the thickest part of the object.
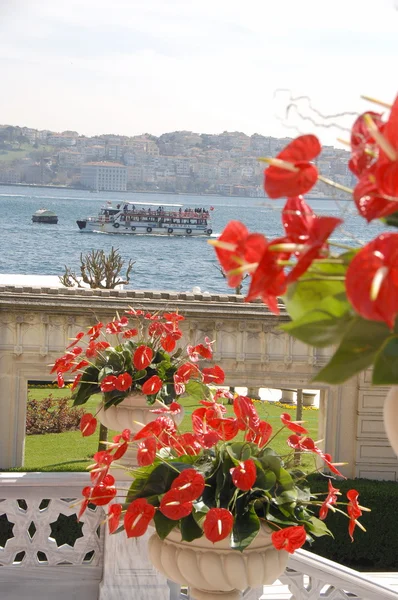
(107, 176)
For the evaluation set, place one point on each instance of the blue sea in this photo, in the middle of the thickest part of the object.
(161, 263)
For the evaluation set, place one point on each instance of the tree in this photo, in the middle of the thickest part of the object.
(238, 289)
(98, 271)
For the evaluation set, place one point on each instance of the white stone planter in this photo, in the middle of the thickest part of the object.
(308, 399)
(287, 396)
(214, 571)
(390, 415)
(131, 414)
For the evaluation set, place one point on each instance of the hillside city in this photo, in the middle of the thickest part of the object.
(177, 162)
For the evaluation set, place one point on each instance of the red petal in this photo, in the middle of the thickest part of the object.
(88, 424)
(173, 507)
(123, 382)
(244, 475)
(152, 385)
(218, 524)
(190, 485)
(304, 147)
(142, 357)
(137, 517)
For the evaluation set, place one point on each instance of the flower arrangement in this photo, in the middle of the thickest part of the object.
(221, 480)
(135, 353)
(336, 295)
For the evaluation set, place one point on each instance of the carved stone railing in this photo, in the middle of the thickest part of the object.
(44, 551)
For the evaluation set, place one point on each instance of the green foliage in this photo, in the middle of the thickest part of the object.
(375, 550)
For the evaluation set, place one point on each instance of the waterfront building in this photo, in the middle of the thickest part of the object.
(107, 176)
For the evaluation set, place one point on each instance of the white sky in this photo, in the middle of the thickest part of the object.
(134, 66)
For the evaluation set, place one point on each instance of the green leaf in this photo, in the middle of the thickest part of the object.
(285, 479)
(385, 370)
(87, 386)
(286, 497)
(196, 391)
(391, 220)
(245, 529)
(319, 328)
(190, 530)
(105, 371)
(306, 295)
(139, 375)
(156, 482)
(239, 451)
(317, 527)
(199, 511)
(356, 352)
(265, 480)
(163, 524)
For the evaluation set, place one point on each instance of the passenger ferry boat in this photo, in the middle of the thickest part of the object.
(146, 218)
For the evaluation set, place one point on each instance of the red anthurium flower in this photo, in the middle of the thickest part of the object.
(60, 380)
(173, 507)
(244, 475)
(88, 424)
(142, 357)
(168, 343)
(214, 375)
(104, 492)
(387, 164)
(129, 333)
(186, 371)
(330, 499)
(93, 348)
(218, 524)
(81, 365)
(204, 351)
(123, 382)
(289, 539)
(190, 485)
(318, 234)
(76, 339)
(152, 428)
(363, 145)
(86, 491)
(268, 280)
(294, 174)
(152, 385)
(227, 429)
(95, 331)
(173, 317)
(234, 233)
(114, 512)
(76, 381)
(353, 510)
(372, 280)
(187, 443)
(260, 435)
(138, 516)
(179, 386)
(297, 219)
(292, 425)
(98, 471)
(146, 452)
(108, 383)
(246, 413)
(371, 204)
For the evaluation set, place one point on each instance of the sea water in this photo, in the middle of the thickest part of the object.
(161, 262)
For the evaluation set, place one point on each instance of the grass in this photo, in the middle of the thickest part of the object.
(71, 452)
(8, 156)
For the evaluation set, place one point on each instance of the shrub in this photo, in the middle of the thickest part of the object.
(51, 415)
(375, 550)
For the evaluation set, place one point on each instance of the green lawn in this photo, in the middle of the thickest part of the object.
(71, 452)
(10, 155)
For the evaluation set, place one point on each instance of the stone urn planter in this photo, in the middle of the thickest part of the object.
(132, 413)
(308, 399)
(390, 415)
(214, 571)
(287, 396)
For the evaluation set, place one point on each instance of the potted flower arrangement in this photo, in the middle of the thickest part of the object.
(336, 295)
(226, 508)
(133, 361)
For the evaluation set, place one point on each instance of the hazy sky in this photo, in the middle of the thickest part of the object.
(129, 66)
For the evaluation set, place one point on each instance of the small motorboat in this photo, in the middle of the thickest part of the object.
(43, 215)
